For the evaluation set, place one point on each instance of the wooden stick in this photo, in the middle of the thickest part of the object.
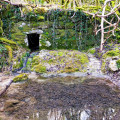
(7, 86)
(19, 5)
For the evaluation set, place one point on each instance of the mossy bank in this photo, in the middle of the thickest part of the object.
(58, 61)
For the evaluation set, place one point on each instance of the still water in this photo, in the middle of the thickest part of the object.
(66, 98)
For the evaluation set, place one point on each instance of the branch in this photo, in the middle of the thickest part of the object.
(7, 86)
(104, 28)
(107, 22)
(18, 4)
(112, 11)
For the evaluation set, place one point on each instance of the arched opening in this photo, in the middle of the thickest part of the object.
(33, 41)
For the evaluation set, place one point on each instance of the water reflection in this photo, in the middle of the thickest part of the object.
(91, 113)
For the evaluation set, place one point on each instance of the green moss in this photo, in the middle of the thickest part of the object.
(40, 10)
(26, 28)
(18, 61)
(27, 9)
(35, 61)
(92, 51)
(8, 42)
(4, 40)
(67, 61)
(61, 33)
(106, 56)
(39, 68)
(118, 64)
(70, 25)
(21, 77)
(111, 53)
(37, 65)
(103, 66)
(70, 69)
(1, 31)
(82, 58)
(1, 23)
(60, 53)
(19, 37)
(10, 52)
(40, 18)
(16, 65)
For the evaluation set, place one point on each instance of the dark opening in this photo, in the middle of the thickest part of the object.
(33, 41)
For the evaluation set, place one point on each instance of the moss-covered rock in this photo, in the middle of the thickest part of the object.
(92, 50)
(18, 60)
(60, 61)
(109, 60)
(39, 68)
(112, 53)
(27, 9)
(17, 63)
(10, 53)
(40, 10)
(8, 42)
(21, 77)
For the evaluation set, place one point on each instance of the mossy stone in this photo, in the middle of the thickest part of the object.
(62, 60)
(39, 68)
(8, 42)
(92, 50)
(40, 10)
(21, 77)
(112, 53)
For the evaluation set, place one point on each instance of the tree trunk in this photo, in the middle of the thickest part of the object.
(7, 86)
(102, 27)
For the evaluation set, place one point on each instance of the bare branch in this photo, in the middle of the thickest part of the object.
(7, 86)
(18, 4)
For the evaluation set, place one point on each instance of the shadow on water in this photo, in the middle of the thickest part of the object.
(92, 99)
